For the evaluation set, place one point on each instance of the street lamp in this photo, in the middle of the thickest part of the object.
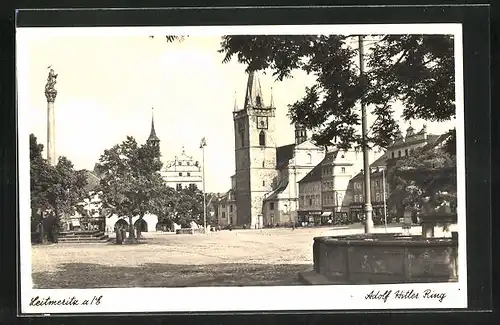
(203, 144)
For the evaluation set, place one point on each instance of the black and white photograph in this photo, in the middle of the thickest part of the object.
(236, 168)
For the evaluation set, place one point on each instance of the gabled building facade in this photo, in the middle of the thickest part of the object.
(183, 171)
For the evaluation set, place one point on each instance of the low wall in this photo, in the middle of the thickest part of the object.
(190, 231)
(386, 258)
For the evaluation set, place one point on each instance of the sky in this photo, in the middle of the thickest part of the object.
(108, 83)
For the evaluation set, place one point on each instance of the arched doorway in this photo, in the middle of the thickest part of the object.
(142, 225)
(121, 223)
(161, 226)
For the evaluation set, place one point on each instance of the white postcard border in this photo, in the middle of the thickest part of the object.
(339, 297)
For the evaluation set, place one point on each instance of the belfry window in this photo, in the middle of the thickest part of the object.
(262, 138)
(258, 101)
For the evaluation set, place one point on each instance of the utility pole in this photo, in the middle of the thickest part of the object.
(202, 146)
(385, 204)
(366, 163)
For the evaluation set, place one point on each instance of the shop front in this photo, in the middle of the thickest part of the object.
(341, 216)
(309, 217)
(325, 218)
(356, 212)
(378, 214)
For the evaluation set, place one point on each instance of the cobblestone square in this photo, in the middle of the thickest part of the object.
(224, 258)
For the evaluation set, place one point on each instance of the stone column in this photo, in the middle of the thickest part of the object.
(50, 94)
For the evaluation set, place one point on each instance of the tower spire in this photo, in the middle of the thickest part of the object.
(235, 102)
(272, 98)
(253, 96)
(153, 139)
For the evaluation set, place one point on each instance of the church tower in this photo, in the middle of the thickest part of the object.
(300, 133)
(153, 139)
(255, 153)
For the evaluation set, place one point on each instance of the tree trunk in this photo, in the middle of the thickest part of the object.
(131, 234)
(139, 224)
(42, 231)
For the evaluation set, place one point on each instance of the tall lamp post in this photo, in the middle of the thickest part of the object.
(366, 164)
(385, 204)
(203, 144)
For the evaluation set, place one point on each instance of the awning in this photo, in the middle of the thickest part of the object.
(327, 214)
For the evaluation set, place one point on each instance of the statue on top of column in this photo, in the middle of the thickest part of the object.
(50, 91)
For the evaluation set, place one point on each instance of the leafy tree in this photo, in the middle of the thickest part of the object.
(426, 173)
(417, 70)
(130, 181)
(55, 190)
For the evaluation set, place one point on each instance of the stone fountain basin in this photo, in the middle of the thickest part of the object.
(385, 258)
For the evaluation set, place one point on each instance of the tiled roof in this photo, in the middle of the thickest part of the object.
(436, 140)
(283, 155)
(313, 176)
(92, 180)
(379, 162)
(329, 157)
(281, 187)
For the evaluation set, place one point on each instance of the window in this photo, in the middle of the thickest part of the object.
(180, 174)
(188, 163)
(358, 185)
(180, 163)
(309, 158)
(263, 164)
(258, 101)
(377, 183)
(263, 183)
(189, 174)
(406, 152)
(271, 206)
(399, 153)
(262, 138)
(392, 154)
(377, 197)
(223, 214)
(242, 136)
(223, 206)
(310, 202)
(231, 208)
(178, 187)
(343, 169)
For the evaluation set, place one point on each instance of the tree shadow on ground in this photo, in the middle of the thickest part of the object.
(86, 275)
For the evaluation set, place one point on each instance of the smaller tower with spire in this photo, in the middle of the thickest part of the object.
(300, 133)
(153, 140)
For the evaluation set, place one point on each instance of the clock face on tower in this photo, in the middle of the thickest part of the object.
(262, 122)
